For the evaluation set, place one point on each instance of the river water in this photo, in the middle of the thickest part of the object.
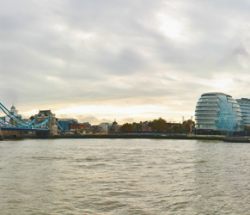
(124, 176)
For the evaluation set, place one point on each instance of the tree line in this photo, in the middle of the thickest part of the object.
(158, 126)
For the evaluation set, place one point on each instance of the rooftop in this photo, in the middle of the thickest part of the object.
(215, 94)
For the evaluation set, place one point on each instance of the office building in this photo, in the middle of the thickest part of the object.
(245, 110)
(218, 112)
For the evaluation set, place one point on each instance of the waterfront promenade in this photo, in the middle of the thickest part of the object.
(242, 139)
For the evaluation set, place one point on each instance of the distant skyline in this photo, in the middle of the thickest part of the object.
(128, 60)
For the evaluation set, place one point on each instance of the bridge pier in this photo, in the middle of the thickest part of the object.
(10, 134)
(16, 134)
(43, 134)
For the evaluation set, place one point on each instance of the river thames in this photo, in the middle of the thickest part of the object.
(124, 176)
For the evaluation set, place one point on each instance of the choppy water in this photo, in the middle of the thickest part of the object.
(102, 177)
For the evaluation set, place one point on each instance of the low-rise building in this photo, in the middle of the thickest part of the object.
(65, 125)
(80, 128)
(104, 127)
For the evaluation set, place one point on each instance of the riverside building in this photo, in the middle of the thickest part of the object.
(245, 110)
(218, 113)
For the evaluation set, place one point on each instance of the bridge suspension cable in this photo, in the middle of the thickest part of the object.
(19, 124)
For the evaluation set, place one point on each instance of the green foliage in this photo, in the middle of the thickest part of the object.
(158, 126)
(188, 126)
(126, 128)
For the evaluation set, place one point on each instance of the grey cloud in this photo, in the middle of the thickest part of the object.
(71, 50)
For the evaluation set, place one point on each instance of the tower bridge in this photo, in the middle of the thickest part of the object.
(12, 124)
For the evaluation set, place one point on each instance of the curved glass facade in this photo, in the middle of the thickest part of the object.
(218, 112)
(245, 110)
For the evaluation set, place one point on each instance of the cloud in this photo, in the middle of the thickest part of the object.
(122, 53)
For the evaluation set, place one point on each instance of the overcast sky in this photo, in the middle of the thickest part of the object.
(127, 60)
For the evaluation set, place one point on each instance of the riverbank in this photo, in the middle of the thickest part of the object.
(144, 136)
(236, 139)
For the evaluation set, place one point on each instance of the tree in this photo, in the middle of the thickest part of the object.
(188, 126)
(158, 125)
(126, 128)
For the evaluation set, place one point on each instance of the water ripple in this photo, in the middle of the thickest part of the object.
(113, 177)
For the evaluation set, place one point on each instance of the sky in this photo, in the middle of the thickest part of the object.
(130, 60)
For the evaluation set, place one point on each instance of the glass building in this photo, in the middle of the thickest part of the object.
(245, 110)
(218, 112)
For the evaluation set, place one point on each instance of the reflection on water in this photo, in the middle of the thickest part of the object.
(124, 177)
